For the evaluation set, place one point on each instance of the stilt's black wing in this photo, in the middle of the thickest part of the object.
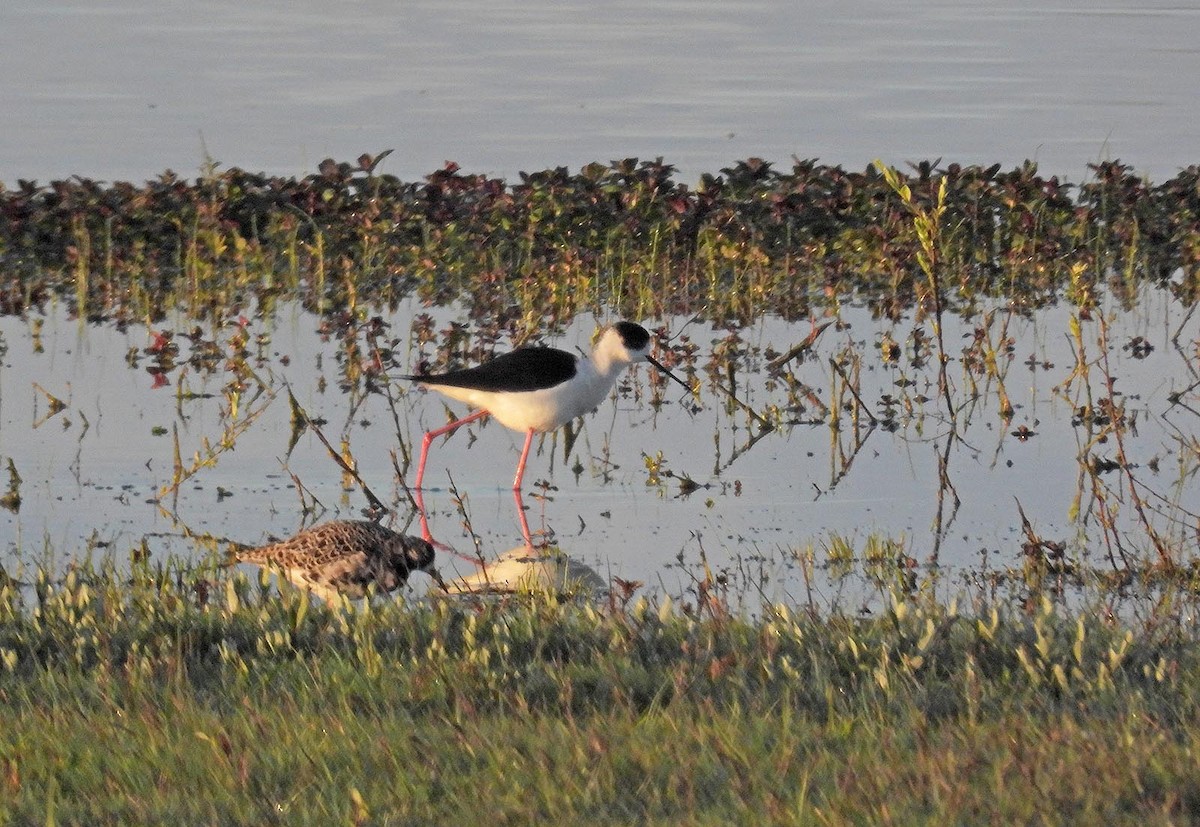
(524, 369)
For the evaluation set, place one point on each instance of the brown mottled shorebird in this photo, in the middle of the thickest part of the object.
(344, 557)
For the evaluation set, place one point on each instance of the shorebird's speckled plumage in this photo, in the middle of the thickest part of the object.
(345, 557)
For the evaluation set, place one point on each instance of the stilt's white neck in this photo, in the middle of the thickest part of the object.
(610, 355)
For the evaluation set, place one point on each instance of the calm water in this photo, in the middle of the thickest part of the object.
(93, 470)
(125, 89)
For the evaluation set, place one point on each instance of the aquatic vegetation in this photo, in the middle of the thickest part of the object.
(626, 236)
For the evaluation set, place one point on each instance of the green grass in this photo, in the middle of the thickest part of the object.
(170, 697)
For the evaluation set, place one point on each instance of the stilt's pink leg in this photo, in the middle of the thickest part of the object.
(521, 467)
(427, 535)
(430, 436)
(521, 516)
(418, 493)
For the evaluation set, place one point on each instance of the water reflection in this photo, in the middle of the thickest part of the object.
(1066, 438)
(522, 570)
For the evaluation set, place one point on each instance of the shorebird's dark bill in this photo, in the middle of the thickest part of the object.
(668, 373)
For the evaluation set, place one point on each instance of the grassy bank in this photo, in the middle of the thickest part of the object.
(177, 696)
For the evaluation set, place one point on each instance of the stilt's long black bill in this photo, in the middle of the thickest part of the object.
(757, 416)
(668, 373)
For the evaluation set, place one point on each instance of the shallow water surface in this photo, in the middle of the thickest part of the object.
(126, 90)
(654, 479)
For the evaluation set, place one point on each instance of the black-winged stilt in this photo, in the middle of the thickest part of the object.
(537, 389)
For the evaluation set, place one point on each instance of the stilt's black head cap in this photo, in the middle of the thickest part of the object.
(633, 335)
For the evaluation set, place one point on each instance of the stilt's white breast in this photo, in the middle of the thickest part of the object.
(512, 387)
(544, 410)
